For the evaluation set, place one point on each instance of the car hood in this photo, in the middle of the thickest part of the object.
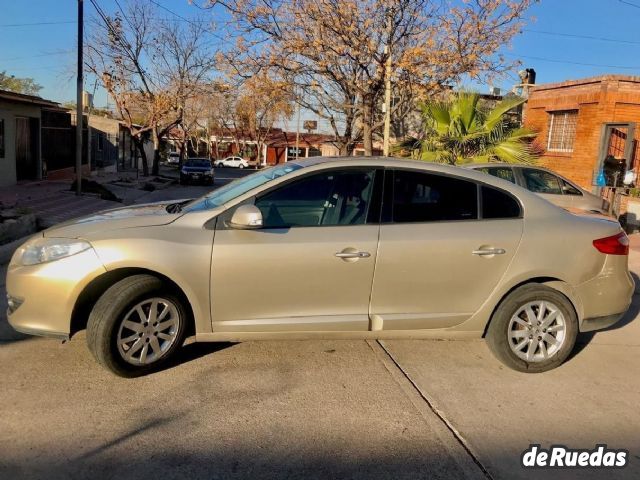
(145, 215)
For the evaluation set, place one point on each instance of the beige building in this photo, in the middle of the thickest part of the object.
(21, 127)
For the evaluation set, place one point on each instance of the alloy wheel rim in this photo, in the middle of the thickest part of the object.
(148, 331)
(537, 331)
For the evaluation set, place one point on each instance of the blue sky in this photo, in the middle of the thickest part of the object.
(45, 52)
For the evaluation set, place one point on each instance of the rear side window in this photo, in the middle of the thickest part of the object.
(504, 173)
(569, 189)
(498, 204)
(423, 197)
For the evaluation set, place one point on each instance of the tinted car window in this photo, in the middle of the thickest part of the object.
(539, 181)
(337, 197)
(198, 163)
(498, 204)
(504, 173)
(423, 197)
(238, 187)
(569, 189)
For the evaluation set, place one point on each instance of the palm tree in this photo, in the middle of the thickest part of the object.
(460, 131)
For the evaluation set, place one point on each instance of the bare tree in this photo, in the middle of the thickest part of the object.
(335, 51)
(150, 68)
(249, 110)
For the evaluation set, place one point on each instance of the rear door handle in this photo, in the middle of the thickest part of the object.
(489, 251)
(353, 254)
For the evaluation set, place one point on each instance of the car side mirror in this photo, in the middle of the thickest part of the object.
(246, 217)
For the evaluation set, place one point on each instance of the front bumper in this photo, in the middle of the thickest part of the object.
(49, 292)
(198, 177)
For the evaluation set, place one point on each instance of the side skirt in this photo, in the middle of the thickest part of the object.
(443, 334)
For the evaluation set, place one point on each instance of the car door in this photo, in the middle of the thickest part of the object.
(310, 267)
(545, 184)
(439, 258)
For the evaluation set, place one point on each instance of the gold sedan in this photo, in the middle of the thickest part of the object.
(339, 248)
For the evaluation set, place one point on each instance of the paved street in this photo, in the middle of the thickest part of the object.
(314, 409)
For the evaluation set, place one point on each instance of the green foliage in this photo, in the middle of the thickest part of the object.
(461, 130)
(12, 83)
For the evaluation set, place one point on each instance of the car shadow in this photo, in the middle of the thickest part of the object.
(585, 338)
(194, 351)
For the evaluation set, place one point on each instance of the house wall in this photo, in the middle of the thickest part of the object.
(601, 100)
(8, 112)
(105, 133)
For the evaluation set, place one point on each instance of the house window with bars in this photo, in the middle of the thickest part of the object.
(562, 131)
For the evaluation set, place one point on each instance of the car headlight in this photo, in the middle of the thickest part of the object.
(49, 249)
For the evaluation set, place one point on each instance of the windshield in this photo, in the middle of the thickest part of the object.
(197, 163)
(239, 187)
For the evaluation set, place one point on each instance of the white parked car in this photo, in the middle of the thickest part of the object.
(173, 158)
(235, 162)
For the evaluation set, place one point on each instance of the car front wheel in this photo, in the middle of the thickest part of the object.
(534, 329)
(136, 326)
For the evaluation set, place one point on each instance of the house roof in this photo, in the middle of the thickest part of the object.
(585, 81)
(279, 138)
(27, 99)
(285, 139)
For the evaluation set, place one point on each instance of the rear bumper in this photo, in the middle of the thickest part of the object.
(598, 323)
(606, 297)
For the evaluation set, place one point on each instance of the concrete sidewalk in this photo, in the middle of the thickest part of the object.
(52, 202)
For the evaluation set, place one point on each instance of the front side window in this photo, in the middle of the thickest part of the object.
(539, 181)
(424, 197)
(335, 197)
(504, 173)
(239, 187)
(562, 131)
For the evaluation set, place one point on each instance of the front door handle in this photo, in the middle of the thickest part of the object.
(353, 254)
(489, 251)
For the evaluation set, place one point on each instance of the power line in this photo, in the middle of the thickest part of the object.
(33, 24)
(635, 5)
(170, 11)
(584, 37)
(552, 60)
(63, 52)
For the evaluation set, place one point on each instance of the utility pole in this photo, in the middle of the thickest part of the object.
(297, 125)
(387, 90)
(79, 101)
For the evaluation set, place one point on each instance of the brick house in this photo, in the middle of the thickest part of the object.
(589, 128)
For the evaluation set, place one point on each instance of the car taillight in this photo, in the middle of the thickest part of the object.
(614, 245)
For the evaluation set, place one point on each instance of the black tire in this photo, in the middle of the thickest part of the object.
(498, 335)
(183, 180)
(240, 166)
(109, 312)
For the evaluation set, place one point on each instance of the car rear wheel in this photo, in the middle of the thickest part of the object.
(136, 326)
(241, 166)
(534, 329)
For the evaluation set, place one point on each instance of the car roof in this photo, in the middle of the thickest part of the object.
(532, 202)
(392, 162)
